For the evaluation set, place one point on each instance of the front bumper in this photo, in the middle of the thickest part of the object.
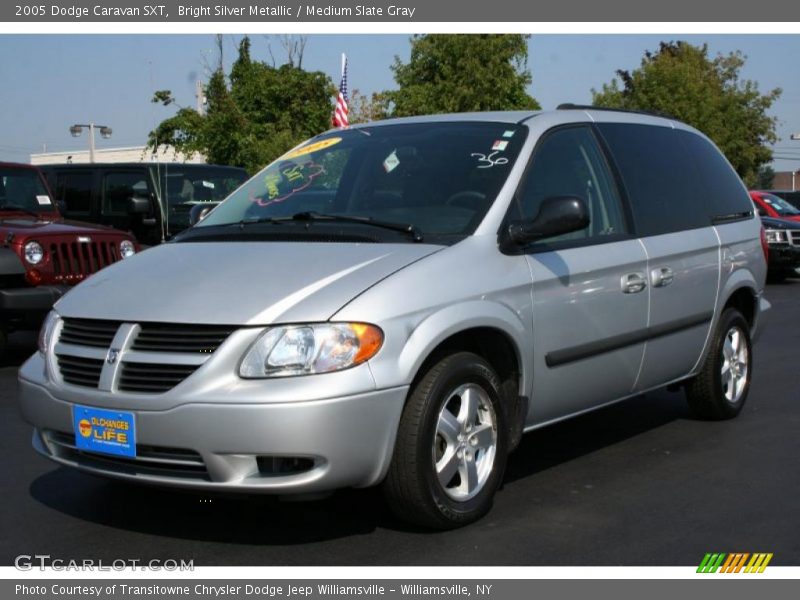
(228, 446)
(34, 299)
(783, 258)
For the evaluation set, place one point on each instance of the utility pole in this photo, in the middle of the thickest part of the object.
(200, 94)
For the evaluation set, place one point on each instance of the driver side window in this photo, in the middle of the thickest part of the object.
(569, 162)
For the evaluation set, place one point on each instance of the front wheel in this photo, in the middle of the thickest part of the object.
(451, 445)
(720, 389)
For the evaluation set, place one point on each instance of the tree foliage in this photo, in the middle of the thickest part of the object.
(681, 80)
(363, 108)
(252, 116)
(459, 73)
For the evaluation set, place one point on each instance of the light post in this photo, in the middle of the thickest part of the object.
(796, 138)
(105, 131)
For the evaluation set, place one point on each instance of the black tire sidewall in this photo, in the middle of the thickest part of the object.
(461, 369)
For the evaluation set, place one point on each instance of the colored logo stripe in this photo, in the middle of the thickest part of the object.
(711, 563)
(759, 561)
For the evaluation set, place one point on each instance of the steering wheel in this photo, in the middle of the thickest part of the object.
(469, 199)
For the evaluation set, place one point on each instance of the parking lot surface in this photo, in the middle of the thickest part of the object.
(638, 483)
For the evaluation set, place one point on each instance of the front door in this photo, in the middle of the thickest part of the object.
(590, 290)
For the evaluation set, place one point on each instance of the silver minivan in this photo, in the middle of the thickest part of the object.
(398, 302)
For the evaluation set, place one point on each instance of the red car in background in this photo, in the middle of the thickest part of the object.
(42, 255)
(770, 205)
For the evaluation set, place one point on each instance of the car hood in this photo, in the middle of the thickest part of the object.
(237, 283)
(773, 223)
(27, 225)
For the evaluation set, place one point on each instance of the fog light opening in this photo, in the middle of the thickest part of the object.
(275, 466)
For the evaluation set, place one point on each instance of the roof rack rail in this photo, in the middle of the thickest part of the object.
(652, 113)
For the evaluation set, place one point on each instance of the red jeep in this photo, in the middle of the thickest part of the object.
(770, 205)
(41, 254)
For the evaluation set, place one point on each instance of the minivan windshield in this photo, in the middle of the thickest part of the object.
(780, 206)
(438, 178)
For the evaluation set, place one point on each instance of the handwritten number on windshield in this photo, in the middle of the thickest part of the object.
(487, 162)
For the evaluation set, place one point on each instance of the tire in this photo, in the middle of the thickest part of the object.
(719, 391)
(451, 445)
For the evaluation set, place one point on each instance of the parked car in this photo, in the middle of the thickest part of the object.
(783, 237)
(397, 302)
(770, 205)
(151, 200)
(791, 196)
(42, 255)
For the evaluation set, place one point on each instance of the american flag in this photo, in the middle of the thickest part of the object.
(340, 112)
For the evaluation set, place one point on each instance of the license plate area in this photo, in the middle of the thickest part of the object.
(104, 431)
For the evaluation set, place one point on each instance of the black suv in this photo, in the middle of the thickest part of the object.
(151, 200)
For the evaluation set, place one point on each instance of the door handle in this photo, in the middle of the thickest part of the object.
(662, 277)
(633, 283)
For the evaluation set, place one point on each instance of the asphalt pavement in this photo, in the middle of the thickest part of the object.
(638, 483)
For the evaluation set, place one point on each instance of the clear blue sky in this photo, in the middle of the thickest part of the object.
(52, 81)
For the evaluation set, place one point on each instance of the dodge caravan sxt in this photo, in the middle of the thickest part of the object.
(398, 302)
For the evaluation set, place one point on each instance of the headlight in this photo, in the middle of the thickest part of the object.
(34, 253)
(776, 236)
(46, 332)
(126, 248)
(307, 349)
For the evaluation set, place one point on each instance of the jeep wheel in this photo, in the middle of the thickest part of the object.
(720, 389)
(451, 446)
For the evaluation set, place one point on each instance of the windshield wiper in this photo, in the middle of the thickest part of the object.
(407, 228)
(19, 209)
(256, 221)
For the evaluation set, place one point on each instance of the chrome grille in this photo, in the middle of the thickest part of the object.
(80, 371)
(166, 337)
(88, 332)
(150, 460)
(160, 356)
(82, 258)
(152, 378)
(794, 237)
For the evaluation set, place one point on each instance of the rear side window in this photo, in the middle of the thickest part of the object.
(724, 194)
(75, 191)
(662, 182)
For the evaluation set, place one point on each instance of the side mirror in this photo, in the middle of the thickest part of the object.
(138, 205)
(198, 212)
(557, 215)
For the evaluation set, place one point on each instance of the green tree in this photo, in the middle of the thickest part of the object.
(458, 73)
(252, 116)
(363, 108)
(681, 80)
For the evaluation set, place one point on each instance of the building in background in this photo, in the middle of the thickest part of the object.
(786, 180)
(118, 155)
